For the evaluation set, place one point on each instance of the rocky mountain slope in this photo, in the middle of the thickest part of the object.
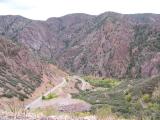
(109, 44)
(21, 72)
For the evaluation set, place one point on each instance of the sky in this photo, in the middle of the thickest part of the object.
(43, 9)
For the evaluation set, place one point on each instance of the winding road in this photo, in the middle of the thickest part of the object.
(36, 103)
(62, 102)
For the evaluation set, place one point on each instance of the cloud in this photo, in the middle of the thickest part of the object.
(43, 9)
(16, 4)
(3, 1)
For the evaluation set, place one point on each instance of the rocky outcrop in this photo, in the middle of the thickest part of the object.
(110, 44)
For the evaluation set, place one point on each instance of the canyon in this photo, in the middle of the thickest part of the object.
(108, 45)
(82, 62)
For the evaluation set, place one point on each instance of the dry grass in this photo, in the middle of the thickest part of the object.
(47, 111)
(156, 93)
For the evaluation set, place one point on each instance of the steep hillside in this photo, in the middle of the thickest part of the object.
(21, 72)
(109, 44)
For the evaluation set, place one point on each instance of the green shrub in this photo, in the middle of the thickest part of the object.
(128, 98)
(146, 98)
(21, 98)
(154, 106)
(138, 105)
(43, 97)
(8, 95)
(49, 96)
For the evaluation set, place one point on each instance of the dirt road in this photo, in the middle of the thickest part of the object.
(36, 103)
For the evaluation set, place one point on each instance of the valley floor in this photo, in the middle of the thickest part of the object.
(90, 98)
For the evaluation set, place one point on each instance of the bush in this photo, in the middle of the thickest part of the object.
(154, 106)
(43, 97)
(138, 105)
(21, 98)
(128, 98)
(8, 95)
(146, 98)
(49, 96)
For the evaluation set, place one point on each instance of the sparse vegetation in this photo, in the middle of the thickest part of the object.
(105, 112)
(102, 82)
(11, 80)
(156, 93)
(49, 96)
(129, 98)
(47, 111)
(80, 114)
(146, 98)
(16, 107)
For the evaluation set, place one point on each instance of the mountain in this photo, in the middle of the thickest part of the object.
(33, 54)
(108, 45)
